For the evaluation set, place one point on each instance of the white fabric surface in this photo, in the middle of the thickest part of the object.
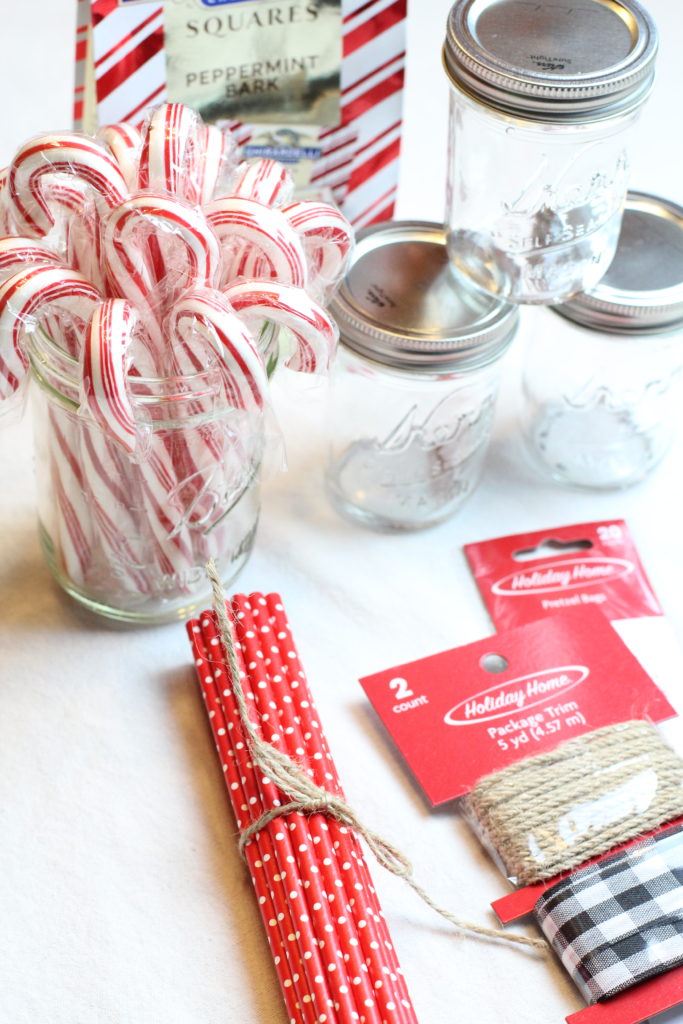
(122, 899)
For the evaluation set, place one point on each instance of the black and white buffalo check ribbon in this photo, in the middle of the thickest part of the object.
(619, 921)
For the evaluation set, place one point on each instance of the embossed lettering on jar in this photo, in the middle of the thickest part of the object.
(414, 383)
(543, 102)
(602, 381)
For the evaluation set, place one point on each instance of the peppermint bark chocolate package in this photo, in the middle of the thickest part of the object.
(317, 86)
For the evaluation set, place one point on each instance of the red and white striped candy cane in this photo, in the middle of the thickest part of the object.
(264, 180)
(168, 140)
(28, 184)
(116, 510)
(17, 252)
(315, 332)
(70, 508)
(106, 361)
(124, 142)
(266, 232)
(25, 298)
(327, 238)
(113, 479)
(155, 248)
(213, 157)
(208, 316)
(105, 397)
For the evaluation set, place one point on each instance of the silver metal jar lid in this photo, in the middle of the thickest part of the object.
(400, 303)
(552, 60)
(643, 287)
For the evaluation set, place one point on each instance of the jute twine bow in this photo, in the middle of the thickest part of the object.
(308, 798)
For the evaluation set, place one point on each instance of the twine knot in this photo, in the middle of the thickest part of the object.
(306, 797)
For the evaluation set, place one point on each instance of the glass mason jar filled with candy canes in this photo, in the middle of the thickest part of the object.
(152, 281)
(127, 529)
(414, 383)
(543, 100)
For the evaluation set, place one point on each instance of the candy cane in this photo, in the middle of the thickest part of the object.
(166, 151)
(115, 506)
(266, 181)
(32, 293)
(70, 509)
(212, 156)
(266, 231)
(124, 142)
(327, 238)
(209, 316)
(106, 359)
(16, 252)
(84, 160)
(155, 248)
(259, 301)
(105, 397)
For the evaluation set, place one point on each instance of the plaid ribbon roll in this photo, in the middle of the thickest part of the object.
(619, 921)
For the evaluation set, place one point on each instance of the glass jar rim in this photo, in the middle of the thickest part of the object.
(55, 369)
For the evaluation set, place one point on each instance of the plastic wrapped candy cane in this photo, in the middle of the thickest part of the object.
(210, 315)
(24, 298)
(105, 363)
(266, 181)
(327, 238)
(124, 142)
(314, 331)
(17, 253)
(154, 249)
(213, 163)
(182, 156)
(265, 232)
(33, 201)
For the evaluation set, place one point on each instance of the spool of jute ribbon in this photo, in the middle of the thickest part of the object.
(619, 921)
(552, 812)
(305, 797)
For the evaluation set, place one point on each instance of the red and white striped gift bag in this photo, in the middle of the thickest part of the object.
(121, 72)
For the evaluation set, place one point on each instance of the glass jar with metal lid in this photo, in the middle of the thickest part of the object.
(601, 384)
(415, 380)
(543, 98)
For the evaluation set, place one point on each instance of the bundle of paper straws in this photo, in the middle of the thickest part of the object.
(143, 256)
(327, 934)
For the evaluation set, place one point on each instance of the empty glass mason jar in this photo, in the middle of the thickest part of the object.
(601, 384)
(415, 380)
(128, 536)
(543, 98)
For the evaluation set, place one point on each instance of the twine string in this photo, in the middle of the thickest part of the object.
(306, 797)
(551, 812)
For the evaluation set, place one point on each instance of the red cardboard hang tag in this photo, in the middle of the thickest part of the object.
(531, 575)
(473, 710)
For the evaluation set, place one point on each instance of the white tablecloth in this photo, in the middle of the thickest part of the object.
(122, 898)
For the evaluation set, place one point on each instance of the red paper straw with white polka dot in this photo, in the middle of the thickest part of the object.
(340, 943)
(259, 854)
(331, 911)
(302, 917)
(352, 884)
